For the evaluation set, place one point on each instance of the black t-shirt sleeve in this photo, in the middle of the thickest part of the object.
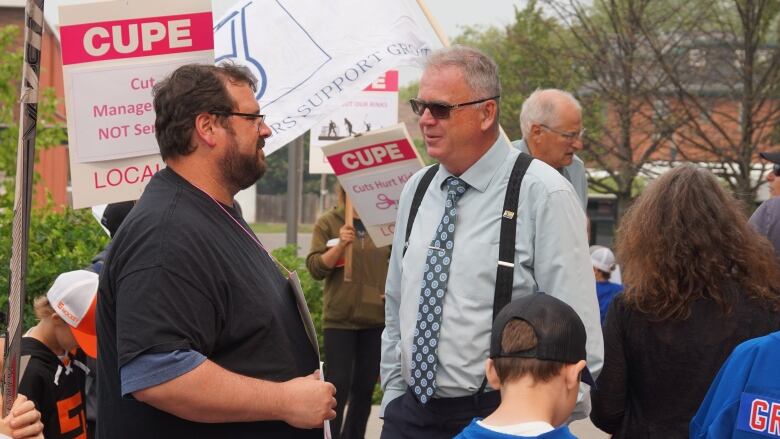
(159, 311)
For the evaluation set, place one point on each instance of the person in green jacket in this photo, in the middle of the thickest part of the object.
(353, 315)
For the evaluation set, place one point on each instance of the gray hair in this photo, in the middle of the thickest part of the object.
(479, 70)
(541, 108)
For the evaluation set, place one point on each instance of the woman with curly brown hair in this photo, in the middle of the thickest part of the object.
(698, 281)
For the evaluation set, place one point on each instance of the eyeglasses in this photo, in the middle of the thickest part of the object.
(248, 116)
(569, 136)
(439, 110)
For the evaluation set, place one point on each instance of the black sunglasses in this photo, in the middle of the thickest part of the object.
(233, 113)
(439, 110)
(776, 169)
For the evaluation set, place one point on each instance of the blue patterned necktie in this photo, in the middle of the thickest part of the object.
(434, 285)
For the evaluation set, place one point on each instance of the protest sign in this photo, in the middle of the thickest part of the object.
(312, 56)
(373, 108)
(113, 53)
(372, 169)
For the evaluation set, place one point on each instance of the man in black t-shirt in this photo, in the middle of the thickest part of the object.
(199, 334)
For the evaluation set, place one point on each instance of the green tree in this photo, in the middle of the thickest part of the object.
(630, 116)
(528, 55)
(407, 92)
(727, 79)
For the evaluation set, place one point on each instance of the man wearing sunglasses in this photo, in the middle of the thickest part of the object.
(773, 176)
(551, 123)
(440, 290)
(766, 219)
(199, 334)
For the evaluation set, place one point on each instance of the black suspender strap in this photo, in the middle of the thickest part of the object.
(505, 271)
(419, 193)
(506, 247)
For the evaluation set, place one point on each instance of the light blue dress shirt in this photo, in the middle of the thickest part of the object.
(551, 255)
(574, 173)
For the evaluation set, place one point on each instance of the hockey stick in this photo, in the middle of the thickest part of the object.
(25, 159)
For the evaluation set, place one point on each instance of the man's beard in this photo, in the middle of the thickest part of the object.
(241, 170)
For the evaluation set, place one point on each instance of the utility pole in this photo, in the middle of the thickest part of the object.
(294, 188)
(323, 192)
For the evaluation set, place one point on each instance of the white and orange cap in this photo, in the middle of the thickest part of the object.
(73, 297)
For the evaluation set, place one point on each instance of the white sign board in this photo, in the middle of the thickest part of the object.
(113, 52)
(373, 108)
(373, 169)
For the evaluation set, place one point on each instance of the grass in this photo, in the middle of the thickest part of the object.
(279, 228)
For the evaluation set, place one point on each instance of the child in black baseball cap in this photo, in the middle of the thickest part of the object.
(537, 360)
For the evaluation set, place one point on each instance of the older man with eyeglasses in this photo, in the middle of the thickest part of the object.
(766, 219)
(773, 176)
(443, 281)
(551, 122)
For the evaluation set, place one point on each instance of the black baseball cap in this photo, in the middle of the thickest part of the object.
(115, 214)
(773, 157)
(560, 333)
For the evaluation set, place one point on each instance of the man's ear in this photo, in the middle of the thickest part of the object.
(536, 131)
(533, 139)
(205, 128)
(492, 374)
(572, 374)
(489, 113)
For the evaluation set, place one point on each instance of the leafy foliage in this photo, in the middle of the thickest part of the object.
(59, 242)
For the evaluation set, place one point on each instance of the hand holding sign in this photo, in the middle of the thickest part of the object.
(373, 169)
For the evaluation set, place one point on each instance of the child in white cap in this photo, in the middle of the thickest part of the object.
(603, 261)
(49, 376)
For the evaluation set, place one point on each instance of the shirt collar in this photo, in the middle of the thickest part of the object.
(481, 173)
(522, 146)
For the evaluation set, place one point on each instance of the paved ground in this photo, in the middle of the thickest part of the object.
(582, 429)
(272, 241)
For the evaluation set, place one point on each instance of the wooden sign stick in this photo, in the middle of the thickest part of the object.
(349, 218)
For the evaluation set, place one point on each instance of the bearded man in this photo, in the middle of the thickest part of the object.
(199, 334)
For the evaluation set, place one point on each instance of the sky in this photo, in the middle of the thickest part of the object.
(452, 15)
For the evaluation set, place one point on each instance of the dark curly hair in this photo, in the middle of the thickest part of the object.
(686, 238)
(190, 90)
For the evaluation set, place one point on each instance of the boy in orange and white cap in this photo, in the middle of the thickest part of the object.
(50, 378)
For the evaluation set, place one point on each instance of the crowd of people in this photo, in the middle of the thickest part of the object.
(488, 317)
